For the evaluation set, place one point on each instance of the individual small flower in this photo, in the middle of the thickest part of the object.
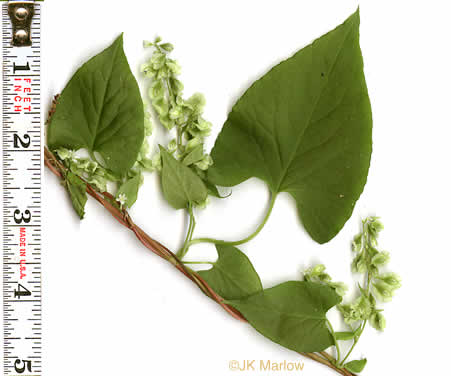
(156, 162)
(391, 279)
(148, 124)
(65, 154)
(121, 199)
(196, 102)
(191, 144)
(175, 112)
(380, 259)
(205, 162)
(357, 243)
(173, 67)
(377, 321)
(358, 265)
(172, 146)
(168, 47)
(362, 307)
(157, 60)
(346, 312)
(339, 287)
(177, 87)
(98, 181)
(161, 106)
(374, 226)
(383, 291)
(156, 90)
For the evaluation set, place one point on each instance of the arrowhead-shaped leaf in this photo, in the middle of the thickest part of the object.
(305, 128)
(181, 185)
(77, 191)
(292, 314)
(232, 275)
(130, 189)
(101, 109)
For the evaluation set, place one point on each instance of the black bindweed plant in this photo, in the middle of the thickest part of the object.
(303, 128)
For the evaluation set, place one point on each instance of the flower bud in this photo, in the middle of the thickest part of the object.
(383, 291)
(64, 153)
(339, 287)
(204, 163)
(156, 90)
(168, 47)
(380, 259)
(393, 280)
(357, 243)
(175, 112)
(173, 67)
(377, 321)
(358, 265)
(172, 146)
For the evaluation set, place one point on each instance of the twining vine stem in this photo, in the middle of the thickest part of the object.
(122, 216)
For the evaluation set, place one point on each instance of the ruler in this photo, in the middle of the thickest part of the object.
(21, 188)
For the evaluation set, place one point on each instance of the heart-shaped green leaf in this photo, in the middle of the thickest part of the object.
(232, 276)
(101, 110)
(181, 185)
(292, 314)
(305, 128)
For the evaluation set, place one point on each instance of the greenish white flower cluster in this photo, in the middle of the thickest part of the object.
(318, 274)
(95, 174)
(379, 286)
(175, 112)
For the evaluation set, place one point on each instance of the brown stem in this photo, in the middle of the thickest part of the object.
(122, 216)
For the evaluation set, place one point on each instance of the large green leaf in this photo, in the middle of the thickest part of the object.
(101, 110)
(305, 128)
(232, 276)
(292, 314)
(181, 185)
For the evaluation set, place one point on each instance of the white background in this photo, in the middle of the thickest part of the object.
(112, 308)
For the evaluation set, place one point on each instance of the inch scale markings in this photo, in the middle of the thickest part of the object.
(21, 188)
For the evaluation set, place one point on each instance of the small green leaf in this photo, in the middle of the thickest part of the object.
(292, 314)
(77, 191)
(101, 109)
(181, 185)
(130, 190)
(232, 276)
(344, 336)
(305, 128)
(194, 155)
(356, 365)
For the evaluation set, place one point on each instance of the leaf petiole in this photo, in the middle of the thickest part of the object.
(198, 262)
(356, 339)
(242, 241)
(335, 342)
(192, 224)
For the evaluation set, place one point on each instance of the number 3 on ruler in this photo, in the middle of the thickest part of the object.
(23, 218)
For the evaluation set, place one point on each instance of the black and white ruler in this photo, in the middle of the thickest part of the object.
(21, 188)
